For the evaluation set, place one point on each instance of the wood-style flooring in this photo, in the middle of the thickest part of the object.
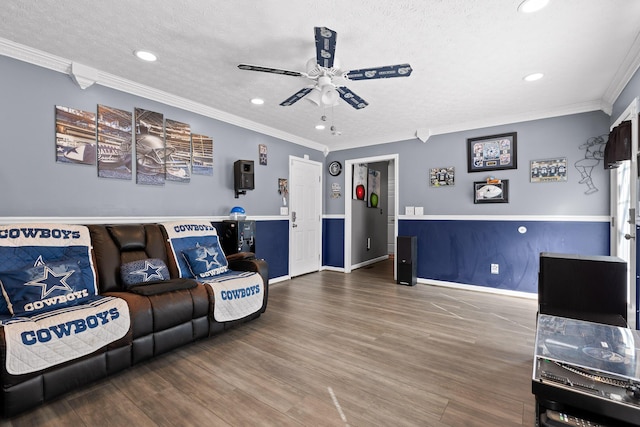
(332, 349)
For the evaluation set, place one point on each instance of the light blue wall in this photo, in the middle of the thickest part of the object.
(539, 139)
(33, 184)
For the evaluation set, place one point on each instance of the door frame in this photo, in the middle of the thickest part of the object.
(348, 195)
(630, 113)
(319, 201)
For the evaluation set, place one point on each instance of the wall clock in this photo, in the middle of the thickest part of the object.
(335, 168)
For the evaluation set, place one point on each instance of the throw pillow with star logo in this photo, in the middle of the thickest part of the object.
(206, 261)
(143, 271)
(46, 286)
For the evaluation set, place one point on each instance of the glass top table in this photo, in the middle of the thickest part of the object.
(588, 365)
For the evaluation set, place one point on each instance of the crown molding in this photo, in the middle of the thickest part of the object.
(584, 107)
(625, 72)
(62, 65)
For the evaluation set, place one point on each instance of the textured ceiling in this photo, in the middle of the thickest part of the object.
(468, 58)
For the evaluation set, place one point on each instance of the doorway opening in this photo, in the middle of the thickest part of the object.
(391, 219)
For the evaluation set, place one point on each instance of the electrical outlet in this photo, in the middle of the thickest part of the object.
(495, 269)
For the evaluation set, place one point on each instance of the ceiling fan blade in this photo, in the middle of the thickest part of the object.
(249, 67)
(325, 46)
(399, 70)
(351, 98)
(296, 97)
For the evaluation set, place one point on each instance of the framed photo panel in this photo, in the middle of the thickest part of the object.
(490, 153)
(549, 170)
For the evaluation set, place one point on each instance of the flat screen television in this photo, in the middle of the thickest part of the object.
(583, 287)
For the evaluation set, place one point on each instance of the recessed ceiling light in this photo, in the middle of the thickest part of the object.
(530, 6)
(320, 127)
(145, 55)
(257, 101)
(533, 77)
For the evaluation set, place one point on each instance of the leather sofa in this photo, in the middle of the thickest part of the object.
(164, 315)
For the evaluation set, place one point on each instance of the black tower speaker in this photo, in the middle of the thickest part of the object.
(243, 175)
(407, 260)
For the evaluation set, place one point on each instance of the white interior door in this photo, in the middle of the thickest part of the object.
(624, 201)
(305, 225)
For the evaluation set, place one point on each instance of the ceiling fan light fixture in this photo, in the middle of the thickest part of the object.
(315, 96)
(530, 6)
(145, 55)
(329, 96)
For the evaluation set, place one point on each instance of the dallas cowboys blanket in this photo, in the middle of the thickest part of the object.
(50, 300)
(237, 294)
(197, 252)
(50, 338)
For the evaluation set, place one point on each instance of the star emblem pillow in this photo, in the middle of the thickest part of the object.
(46, 286)
(206, 261)
(143, 271)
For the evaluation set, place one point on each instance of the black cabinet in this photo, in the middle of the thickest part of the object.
(237, 236)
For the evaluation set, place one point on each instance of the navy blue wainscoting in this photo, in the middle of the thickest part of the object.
(462, 251)
(272, 245)
(333, 242)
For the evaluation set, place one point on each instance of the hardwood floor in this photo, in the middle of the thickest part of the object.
(333, 349)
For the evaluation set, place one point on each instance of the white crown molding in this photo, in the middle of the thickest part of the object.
(583, 107)
(625, 72)
(62, 65)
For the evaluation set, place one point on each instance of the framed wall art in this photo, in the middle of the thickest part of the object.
(485, 192)
(495, 152)
(75, 136)
(549, 170)
(360, 176)
(114, 143)
(442, 177)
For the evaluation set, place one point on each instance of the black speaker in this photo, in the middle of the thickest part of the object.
(407, 260)
(243, 175)
(584, 287)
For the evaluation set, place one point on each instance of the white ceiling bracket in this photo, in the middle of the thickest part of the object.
(83, 76)
(423, 134)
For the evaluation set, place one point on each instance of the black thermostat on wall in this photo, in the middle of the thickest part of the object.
(335, 168)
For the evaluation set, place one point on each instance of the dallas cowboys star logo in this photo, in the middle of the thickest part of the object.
(50, 281)
(210, 257)
(149, 272)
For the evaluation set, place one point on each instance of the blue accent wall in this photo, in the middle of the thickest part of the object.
(272, 245)
(333, 242)
(462, 251)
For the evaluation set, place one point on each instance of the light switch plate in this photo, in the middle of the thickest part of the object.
(284, 210)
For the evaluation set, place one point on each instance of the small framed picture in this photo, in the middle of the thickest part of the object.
(442, 176)
(485, 192)
(490, 153)
(262, 151)
(549, 170)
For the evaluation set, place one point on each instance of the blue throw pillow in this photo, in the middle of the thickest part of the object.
(46, 286)
(206, 261)
(144, 270)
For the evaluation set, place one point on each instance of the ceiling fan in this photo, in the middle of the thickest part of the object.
(327, 76)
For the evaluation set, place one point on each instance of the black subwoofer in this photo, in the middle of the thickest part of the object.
(407, 260)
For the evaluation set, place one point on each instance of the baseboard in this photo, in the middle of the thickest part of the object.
(477, 288)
